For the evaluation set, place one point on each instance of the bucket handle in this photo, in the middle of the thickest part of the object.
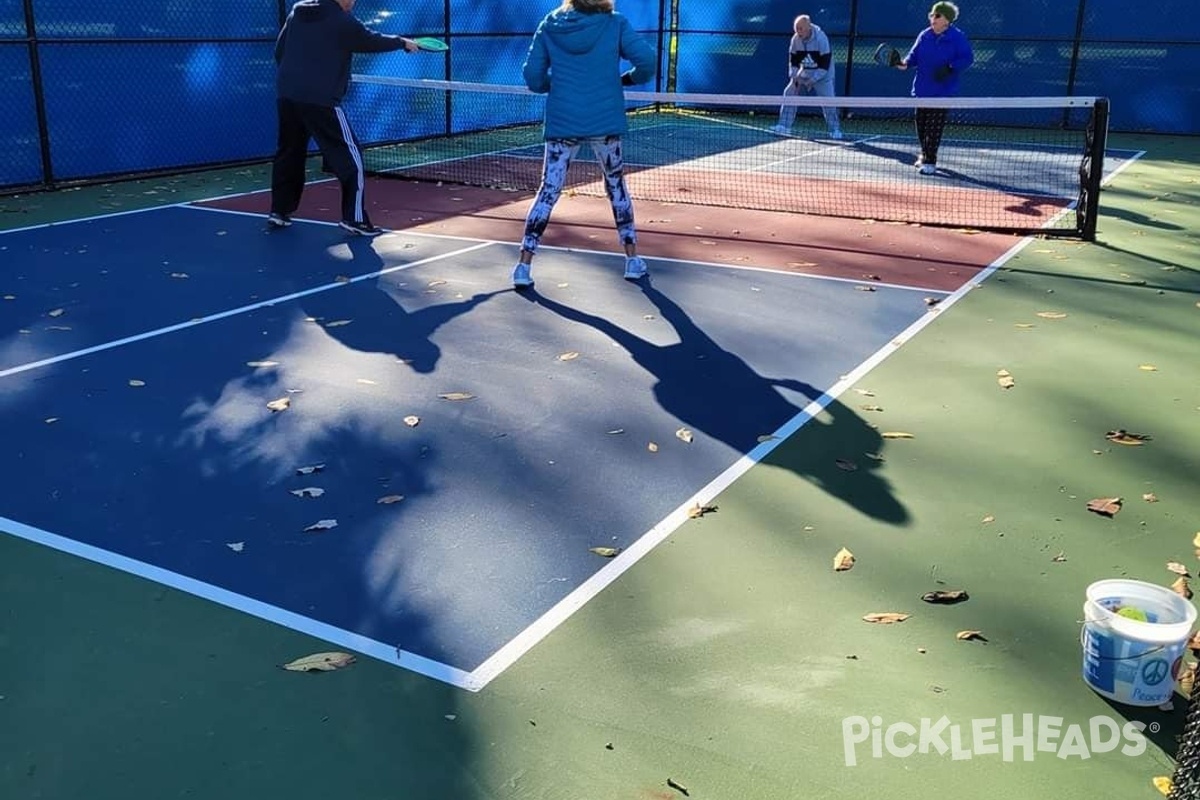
(1083, 630)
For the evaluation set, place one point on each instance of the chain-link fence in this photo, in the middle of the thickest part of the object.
(129, 87)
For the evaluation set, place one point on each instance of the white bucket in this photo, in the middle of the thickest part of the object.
(1127, 660)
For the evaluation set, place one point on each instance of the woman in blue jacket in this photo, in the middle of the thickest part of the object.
(939, 55)
(575, 58)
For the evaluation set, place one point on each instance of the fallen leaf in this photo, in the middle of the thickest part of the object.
(136, 383)
(337, 323)
(947, 597)
(865, 288)
(1005, 379)
(366, 382)
(771, 437)
(678, 787)
(615, 431)
(322, 525)
(1105, 506)
(310, 491)
(897, 435)
(1148, 368)
(309, 470)
(697, 511)
(1182, 588)
(571, 356)
(179, 274)
(1122, 436)
(1187, 679)
(886, 617)
(236, 547)
(970, 636)
(1164, 785)
(1178, 569)
(1195, 539)
(58, 312)
(387, 500)
(1058, 559)
(341, 279)
(1150, 497)
(51, 420)
(1024, 326)
(320, 662)
(280, 405)
(865, 392)
(988, 519)
(872, 408)
(456, 396)
(652, 447)
(684, 435)
(932, 301)
(1052, 315)
(412, 421)
(257, 364)
(604, 552)
(843, 561)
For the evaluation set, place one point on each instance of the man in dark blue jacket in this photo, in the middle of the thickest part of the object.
(313, 53)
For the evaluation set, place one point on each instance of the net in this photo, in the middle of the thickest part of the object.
(1011, 164)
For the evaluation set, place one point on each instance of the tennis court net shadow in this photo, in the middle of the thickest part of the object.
(713, 390)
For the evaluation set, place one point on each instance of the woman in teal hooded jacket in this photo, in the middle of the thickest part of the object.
(575, 58)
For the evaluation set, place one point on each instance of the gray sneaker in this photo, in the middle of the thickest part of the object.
(522, 276)
(635, 268)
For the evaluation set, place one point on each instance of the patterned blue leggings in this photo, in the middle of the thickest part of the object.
(557, 160)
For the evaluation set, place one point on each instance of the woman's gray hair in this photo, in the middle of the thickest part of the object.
(588, 6)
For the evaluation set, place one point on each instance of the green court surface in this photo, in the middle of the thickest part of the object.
(725, 662)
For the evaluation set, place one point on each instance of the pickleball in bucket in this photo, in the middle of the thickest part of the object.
(1134, 636)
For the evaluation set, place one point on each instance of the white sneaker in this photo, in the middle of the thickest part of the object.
(782, 130)
(927, 169)
(635, 268)
(521, 275)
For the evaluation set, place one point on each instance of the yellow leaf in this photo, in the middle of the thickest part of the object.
(1052, 315)
(652, 447)
(1005, 379)
(1164, 785)
(684, 435)
(1125, 437)
(697, 511)
(897, 435)
(309, 491)
(865, 392)
(1181, 587)
(456, 396)
(387, 500)
(412, 421)
(1148, 368)
(843, 561)
(604, 552)
(1150, 497)
(280, 405)
(1025, 326)
(970, 636)
(568, 356)
(1177, 568)
(320, 662)
(886, 617)
(989, 518)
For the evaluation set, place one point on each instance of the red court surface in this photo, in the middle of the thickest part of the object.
(940, 259)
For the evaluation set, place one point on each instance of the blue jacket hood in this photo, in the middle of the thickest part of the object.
(576, 32)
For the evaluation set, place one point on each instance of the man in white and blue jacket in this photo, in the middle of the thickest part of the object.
(313, 55)
(575, 59)
(940, 55)
(810, 71)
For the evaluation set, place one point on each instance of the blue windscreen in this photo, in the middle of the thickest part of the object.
(401, 19)
(1156, 93)
(12, 19)
(1013, 19)
(210, 19)
(18, 119)
(191, 104)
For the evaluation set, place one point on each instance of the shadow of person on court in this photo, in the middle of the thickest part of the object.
(713, 391)
(377, 317)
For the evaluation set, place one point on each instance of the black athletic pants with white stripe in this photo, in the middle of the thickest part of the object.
(298, 122)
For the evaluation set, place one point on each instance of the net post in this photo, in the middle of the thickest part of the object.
(1185, 783)
(1091, 170)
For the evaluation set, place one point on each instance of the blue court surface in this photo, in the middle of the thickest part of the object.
(139, 353)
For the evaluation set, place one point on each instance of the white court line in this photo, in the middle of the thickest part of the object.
(297, 622)
(138, 337)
